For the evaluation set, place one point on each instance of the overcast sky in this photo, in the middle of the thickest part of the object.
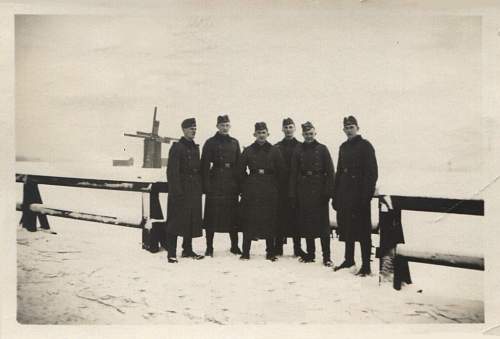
(414, 82)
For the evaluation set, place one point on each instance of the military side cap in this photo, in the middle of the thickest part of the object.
(288, 121)
(190, 122)
(350, 120)
(259, 126)
(307, 126)
(222, 119)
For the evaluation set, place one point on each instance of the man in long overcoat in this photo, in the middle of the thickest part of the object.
(355, 182)
(184, 195)
(259, 201)
(287, 215)
(219, 159)
(311, 187)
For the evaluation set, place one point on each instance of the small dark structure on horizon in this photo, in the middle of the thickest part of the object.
(152, 144)
(120, 162)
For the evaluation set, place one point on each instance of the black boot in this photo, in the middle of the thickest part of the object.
(297, 250)
(349, 257)
(191, 254)
(325, 248)
(270, 250)
(209, 252)
(246, 248)
(366, 247)
(311, 251)
(345, 264)
(234, 243)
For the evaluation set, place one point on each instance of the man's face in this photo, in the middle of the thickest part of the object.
(351, 131)
(189, 132)
(309, 135)
(224, 127)
(261, 136)
(289, 130)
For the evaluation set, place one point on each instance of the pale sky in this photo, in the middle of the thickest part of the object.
(413, 82)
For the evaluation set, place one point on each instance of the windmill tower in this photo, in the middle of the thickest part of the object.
(152, 144)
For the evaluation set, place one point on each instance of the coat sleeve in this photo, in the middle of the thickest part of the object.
(280, 166)
(242, 168)
(294, 169)
(237, 161)
(370, 173)
(330, 174)
(206, 157)
(336, 183)
(173, 171)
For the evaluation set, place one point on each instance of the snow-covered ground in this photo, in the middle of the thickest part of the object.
(98, 274)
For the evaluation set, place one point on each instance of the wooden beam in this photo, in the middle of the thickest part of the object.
(118, 185)
(41, 209)
(443, 259)
(442, 205)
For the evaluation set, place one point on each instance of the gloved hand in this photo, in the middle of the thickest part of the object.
(334, 204)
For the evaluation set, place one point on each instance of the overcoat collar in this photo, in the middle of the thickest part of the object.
(222, 137)
(310, 144)
(355, 139)
(188, 143)
(265, 146)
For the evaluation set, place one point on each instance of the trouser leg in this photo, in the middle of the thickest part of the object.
(210, 239)
(296, 244)
(247, 242)
(311, 247)
(278, 245)
(234, 239)
(366, 248)
(270, 246)
(349, 252)
(187, 244)
(171, 241)
(325, 247)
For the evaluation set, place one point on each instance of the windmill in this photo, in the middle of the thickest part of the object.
(152, 144)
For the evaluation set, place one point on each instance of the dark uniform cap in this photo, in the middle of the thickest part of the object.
(307, 126)
(259, 126)
(350, 120)
(222, 119)
(190, 122)
(288, 121)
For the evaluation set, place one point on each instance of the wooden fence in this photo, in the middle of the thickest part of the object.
(389, 227)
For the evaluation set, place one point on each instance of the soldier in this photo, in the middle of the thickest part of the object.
(184, 196)
(355, 181)
(259, 203)
(287, 216)
(311, 187)
(220, 184)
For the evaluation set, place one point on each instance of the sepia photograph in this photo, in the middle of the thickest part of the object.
(264, 165)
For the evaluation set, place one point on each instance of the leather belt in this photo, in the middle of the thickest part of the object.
(223, 165)
(311, 173)
(261, 171)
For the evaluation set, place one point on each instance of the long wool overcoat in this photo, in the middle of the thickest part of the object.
(184, 190)
(355, 181)
(259, 201)
(287, 215)
(219, 160)
(311, 183)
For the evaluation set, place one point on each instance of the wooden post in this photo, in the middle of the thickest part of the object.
(401, 272)
(151, 231)
(31, 195)
(391, 234)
